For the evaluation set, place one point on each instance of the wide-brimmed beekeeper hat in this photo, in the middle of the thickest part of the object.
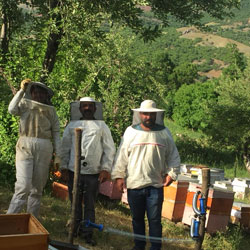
(75, 113)
(40, 84)
(148, 106)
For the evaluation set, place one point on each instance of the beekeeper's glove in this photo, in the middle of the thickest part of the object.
(25, 83)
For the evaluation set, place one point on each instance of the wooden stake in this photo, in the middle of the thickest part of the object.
(204, 194)
(78, 137)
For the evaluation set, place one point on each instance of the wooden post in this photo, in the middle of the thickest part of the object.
(78, 137)
(204, 194)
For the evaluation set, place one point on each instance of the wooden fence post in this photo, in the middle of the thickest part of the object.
(78, 137)
(204, 194)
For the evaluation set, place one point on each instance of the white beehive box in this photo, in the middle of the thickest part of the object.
(216, 174)
(187, 177)
(240, 214)
(241, 187)
(226, 184)
(186, 168)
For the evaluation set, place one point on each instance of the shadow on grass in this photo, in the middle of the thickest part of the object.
(110, 204)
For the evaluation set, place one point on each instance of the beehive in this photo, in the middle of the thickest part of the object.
(219, 207)
(240, 214)
(22, 232)
(60, 191)
(241, 187)
(174, 200)
(108, 188)
(216, 174)
(225, 184)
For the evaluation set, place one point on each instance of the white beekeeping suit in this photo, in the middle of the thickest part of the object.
(145, 157)
(39, 133)
(97, 146)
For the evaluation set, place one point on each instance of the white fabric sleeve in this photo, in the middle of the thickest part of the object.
(56, 134)
(172, 158)
(66, 148)
(121, 160)
(13, 106)
(108, 150)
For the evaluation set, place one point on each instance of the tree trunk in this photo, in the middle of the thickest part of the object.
(4, 35)
(246, 156)
(53, 43)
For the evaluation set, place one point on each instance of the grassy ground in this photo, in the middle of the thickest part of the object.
(112, 214)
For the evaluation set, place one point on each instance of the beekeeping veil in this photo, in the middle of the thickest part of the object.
(50, 92)
(75, 113)
(148, 106)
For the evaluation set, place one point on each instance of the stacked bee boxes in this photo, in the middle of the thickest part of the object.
(219, 207)
(174, 200)
(240, 214)
(241, 187)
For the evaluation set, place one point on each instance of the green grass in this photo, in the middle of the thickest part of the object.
(55, 213)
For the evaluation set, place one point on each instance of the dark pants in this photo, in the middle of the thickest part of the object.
(88, 190)
(147, 200)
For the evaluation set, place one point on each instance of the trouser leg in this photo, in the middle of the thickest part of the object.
(137, 203)
(90, 187)
(24, 173)
(42, 160)
(154, 209)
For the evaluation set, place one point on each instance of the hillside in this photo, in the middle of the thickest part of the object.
(207, 47)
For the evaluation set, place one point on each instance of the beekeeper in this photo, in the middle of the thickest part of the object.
(147, 160)
(39, 133)
(97, 151)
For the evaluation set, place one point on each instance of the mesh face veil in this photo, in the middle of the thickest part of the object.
(75, 113)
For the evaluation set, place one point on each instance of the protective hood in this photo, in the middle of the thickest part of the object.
(159, 118)
(75, 113)
(27, 94)
(148, 106)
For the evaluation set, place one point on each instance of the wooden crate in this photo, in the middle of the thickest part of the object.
(22, 232)
(174, 200)
(219, 207)
(60, 191)
(108, 188)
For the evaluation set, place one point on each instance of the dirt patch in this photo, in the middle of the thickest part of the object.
(211, 74)
(212, 40)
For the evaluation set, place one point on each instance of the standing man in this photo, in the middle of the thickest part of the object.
(146, 161)
(97, 152)
(38, 126)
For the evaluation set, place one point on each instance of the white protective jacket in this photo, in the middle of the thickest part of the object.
(97, 146)
(37, 120)
(145, 157)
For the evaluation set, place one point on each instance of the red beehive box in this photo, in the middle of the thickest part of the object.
(108, 188)
(174, 200)
(22, 232)
(219, 205)
(60, 190)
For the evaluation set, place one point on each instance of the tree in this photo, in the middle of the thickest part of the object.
(230, 115)
(190, 102)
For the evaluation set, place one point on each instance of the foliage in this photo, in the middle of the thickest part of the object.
(8, 133)
(230, 114)
(231, 239)
(189, 104)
